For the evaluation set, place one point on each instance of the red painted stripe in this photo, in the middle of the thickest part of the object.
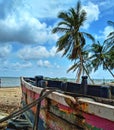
(99, 122)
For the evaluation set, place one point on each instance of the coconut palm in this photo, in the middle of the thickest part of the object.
(73, 39)
(101, 56)
(110, 38)
(109, 43)
(84, 67)
(110, 58)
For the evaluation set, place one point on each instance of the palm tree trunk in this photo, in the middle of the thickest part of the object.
(81, 67)
(108, 69)
(79, 75)
(88, 75)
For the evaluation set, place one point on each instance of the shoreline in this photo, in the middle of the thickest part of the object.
(9, 87)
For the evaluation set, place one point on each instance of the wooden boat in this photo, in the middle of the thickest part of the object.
(72, 107)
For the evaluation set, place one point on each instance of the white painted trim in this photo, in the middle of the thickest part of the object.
(99, 109)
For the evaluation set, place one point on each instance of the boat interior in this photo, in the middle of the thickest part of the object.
(100, 93)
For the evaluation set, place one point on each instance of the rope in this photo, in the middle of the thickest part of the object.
(19, 112)
(35, 127)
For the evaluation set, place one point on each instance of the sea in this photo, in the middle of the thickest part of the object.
(15, 81)
(9, 81)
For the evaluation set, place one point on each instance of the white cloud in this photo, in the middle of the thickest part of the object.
(40, 63)
(19, 25)
(47, 63)
(92, 14)
(53, 52)
(8, 65)
(33, 52)
(56, 65)
(22, 65)
(38, 52)
(5, 51)
(24, 29)
(107, 30)
(44, 63)
(49, 8)
(103, 34)
(106, 5)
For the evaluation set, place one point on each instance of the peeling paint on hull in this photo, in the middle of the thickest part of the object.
(62, 112)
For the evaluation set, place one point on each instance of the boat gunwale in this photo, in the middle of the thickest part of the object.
(104, 110)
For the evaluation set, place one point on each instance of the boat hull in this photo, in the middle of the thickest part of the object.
(61, 112)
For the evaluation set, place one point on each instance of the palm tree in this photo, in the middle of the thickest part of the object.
(101, 56)
(73, 40)
(110, 59)
(110, 47)
(84, 67)
(110, 38)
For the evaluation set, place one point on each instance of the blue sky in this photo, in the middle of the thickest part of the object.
(27, 46)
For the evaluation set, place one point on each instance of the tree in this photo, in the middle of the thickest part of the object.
(110, 38)
(73, 40)
(84, 67)
(109, 43)
(101, 56)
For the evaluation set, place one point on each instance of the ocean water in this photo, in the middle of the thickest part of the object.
(15, 81)
(96, 81)
(10, 81)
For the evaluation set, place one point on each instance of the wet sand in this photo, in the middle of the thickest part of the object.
(10, 99)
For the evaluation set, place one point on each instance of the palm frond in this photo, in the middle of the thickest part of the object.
(78, 7)
(89, 36)
(64, 23)
(59, 29)
(111, 23)
(73, 67)
(65, 17)
(83, 17)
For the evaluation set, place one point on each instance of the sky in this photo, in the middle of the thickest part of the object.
(27, 45)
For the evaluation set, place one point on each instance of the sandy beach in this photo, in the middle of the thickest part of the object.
(10, 99)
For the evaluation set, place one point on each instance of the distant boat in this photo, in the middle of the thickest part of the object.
(71, 106)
